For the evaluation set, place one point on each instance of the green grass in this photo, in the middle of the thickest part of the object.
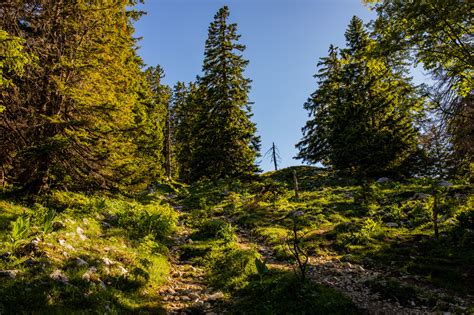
(93, 254)
(282, 292)
(377, 224)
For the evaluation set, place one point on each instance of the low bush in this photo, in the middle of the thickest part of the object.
(281, 292)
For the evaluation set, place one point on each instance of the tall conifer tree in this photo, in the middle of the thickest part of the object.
(362, 111)
(225, 142)
(71, 120)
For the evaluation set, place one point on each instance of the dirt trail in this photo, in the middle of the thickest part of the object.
(186, 291)
(351, 280)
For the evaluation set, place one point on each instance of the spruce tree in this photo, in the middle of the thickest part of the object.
(363, 111)
(185, 104)
(71, 119)
(224, 136)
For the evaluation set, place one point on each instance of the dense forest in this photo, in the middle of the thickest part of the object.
(122, 195)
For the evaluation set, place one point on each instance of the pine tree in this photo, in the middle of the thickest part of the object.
(438, 36)
(185, 103)
(225, 143)
(71, 119)
(363, 111)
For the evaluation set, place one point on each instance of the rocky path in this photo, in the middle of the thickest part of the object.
(186, 291)
(351, 280)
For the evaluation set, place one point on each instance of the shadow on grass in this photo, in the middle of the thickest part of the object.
(43, 295)
(281, 292)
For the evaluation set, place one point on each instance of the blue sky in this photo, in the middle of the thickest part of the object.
(284, 39)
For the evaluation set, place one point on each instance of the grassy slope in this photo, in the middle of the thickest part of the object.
(124, 243)
(97, 255)
(354, 222)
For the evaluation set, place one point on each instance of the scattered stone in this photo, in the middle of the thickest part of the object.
(89, 275)
(80, 232)
(9, 273)
(5, 255)
(382, 180)
(420, 196)
(105, 225)
(57, 225)
(107, 261)
(30, 261)
(35, 241)
(194, 296)
(392, 224)
(81, 262)
(444, 183)
(59, 276)
(123, 271)
(215, 296)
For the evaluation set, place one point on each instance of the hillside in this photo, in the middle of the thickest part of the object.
(227, 246)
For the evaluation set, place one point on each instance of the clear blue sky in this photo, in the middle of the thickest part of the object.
(284, 39)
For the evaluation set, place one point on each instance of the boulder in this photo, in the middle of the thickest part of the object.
(59, 276)
(57, 225)
(444, 183)
(215, 296)
(9, 273)
(382, 180)
(81, 262)
(420, 196)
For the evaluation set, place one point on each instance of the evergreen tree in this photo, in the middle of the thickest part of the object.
(438, 35)
(362, 111)
(71, 119)
(185, 103)
(224, 136)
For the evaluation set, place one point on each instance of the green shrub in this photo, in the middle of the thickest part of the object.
(143, 220)
(20, 230)
(230, 267)
(217, 229)
(284, 293)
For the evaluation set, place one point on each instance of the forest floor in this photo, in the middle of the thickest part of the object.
(223, 247)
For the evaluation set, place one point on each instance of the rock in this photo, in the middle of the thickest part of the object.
(420, 196)
(194, 296)
(59, 276)
(81, 262)
(35, 241)
(30, 261)
(185, 298)
(171, 291)
(382, 180)
(9, 273)
(107, 261)
(392, 224)
(89, 275)
(105, 225)
(215, 296)
(123, 271)
(80, 232)
(57, 225)
(5, 255)
(444, 183)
